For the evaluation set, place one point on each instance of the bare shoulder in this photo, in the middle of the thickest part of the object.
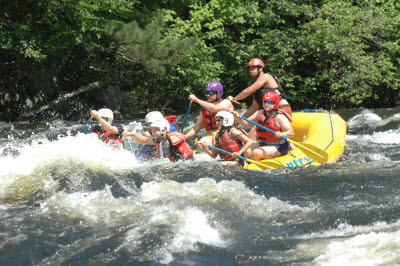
(227, 105)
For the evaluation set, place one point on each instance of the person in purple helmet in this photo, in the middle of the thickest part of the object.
(213, 105)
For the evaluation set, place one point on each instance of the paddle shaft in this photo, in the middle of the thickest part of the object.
(88, 125)
(186, 116)
(270, 130)
(130, 145)
(221, 150)
(241, 157)
(317, 154)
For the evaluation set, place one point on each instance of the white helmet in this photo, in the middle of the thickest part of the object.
(105, 112)
(153, 116)
(227, 118)
(161, 124)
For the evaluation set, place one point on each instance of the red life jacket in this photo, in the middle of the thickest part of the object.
(179, 140)
(209, 118)
(266, 136)
(224, 142)
(109, 138)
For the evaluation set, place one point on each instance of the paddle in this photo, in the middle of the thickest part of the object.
(88, 125)
(270, 165)
(310, 150)
(130, 145)
(236, 105)
(187, 113)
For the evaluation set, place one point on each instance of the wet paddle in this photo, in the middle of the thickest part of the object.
(270, 165)
(187, 113)
(310, 150)
(130, 145)
(88, 125)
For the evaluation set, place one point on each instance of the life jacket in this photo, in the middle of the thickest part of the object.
(269, 122)
(224, 142)
(177, 140)
(109, 138)
(172, 125)
(209, 118)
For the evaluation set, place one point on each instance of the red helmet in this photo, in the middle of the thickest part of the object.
(272, 96)
(256, 62)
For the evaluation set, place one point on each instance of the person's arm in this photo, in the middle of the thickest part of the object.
(211, 152)
(252, 109)
(104, 123)
(244, 123)
(196, 128)
(238, 135)
(286, 128)
(224, 105)
(258, 84)
(140, 138)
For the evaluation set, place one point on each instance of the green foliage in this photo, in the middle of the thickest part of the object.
(326, 53)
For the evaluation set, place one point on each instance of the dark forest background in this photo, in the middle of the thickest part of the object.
(61, 58)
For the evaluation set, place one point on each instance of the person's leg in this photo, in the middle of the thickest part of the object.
(265, 152)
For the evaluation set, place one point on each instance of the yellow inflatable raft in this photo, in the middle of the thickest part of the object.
(322, 129)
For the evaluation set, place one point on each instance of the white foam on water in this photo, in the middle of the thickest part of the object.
(375, 244)
(177, 217)
(29, 170)
(366, 117)
(365, 249)
(83, 148)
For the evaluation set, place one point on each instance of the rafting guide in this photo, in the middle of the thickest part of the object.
(228, 138)
(171, 146)
(107, 130)
(214, 104)
(270, 145)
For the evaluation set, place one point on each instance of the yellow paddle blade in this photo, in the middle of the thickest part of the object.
(268, 164)
(311, 151)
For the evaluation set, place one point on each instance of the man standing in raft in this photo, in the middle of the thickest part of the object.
(266, 82)
(228, 138)
(108, 131)
(213, 105)
(270, 145)
(171, 146)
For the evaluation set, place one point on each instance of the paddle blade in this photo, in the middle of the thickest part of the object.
(236, 105)
(268, 164)
(313, 152)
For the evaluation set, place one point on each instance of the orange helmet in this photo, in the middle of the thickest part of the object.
(256, 62)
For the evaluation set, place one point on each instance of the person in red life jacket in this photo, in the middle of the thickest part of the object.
(108, 131)
(213, 105)
(149, 151)
(228, 138)
(171, 146)
(270, 145)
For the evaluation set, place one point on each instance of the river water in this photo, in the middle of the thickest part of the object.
(66, 198)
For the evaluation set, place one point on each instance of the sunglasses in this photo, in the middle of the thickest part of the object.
(210, 92)
(218, 120)
(269, 102)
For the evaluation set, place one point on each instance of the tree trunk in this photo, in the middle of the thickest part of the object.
(91, 86)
